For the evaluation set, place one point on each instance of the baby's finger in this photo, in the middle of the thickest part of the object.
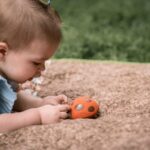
(64, 115)
(62, 99)
(64, 108)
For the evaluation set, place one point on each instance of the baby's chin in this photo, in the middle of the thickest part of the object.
(29, 79)
(23, 81)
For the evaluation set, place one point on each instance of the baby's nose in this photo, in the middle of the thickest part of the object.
(42, 67)
(40, 70)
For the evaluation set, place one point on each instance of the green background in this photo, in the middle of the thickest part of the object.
(105, 29)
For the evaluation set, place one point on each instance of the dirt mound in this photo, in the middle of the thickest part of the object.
(124, 94)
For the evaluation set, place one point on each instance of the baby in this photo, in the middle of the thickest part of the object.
(29, 35)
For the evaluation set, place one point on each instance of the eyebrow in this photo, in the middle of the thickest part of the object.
(41, 59)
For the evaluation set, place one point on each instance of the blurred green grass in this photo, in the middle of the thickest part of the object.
(105, 29)
(72, 60)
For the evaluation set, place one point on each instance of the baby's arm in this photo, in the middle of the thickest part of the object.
(13, 121)
(43, 115)
(26, 101)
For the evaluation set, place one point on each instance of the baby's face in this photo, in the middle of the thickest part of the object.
(23, 65)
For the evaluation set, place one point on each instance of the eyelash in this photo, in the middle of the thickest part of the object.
(36, 63)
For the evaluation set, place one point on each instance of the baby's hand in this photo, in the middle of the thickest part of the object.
(55, 100)
(52, 114)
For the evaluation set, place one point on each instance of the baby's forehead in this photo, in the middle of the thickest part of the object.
(42, 42)
(40, 50)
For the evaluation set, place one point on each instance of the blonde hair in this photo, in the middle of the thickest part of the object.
(22, 21)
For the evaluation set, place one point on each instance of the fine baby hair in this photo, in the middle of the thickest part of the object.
(22, 21)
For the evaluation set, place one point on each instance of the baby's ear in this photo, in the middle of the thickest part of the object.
(3, 49)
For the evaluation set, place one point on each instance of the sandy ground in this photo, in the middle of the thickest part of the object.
(124, 94)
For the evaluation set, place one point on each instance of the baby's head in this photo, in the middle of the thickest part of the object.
(29, 34)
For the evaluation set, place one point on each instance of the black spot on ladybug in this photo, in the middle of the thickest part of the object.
(91, 109)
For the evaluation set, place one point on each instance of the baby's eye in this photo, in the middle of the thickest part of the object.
(36, 63)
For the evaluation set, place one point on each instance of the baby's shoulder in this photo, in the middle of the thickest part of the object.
(9, 84)
(7, 96)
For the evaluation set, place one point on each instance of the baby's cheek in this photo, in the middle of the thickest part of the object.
(25, 73)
